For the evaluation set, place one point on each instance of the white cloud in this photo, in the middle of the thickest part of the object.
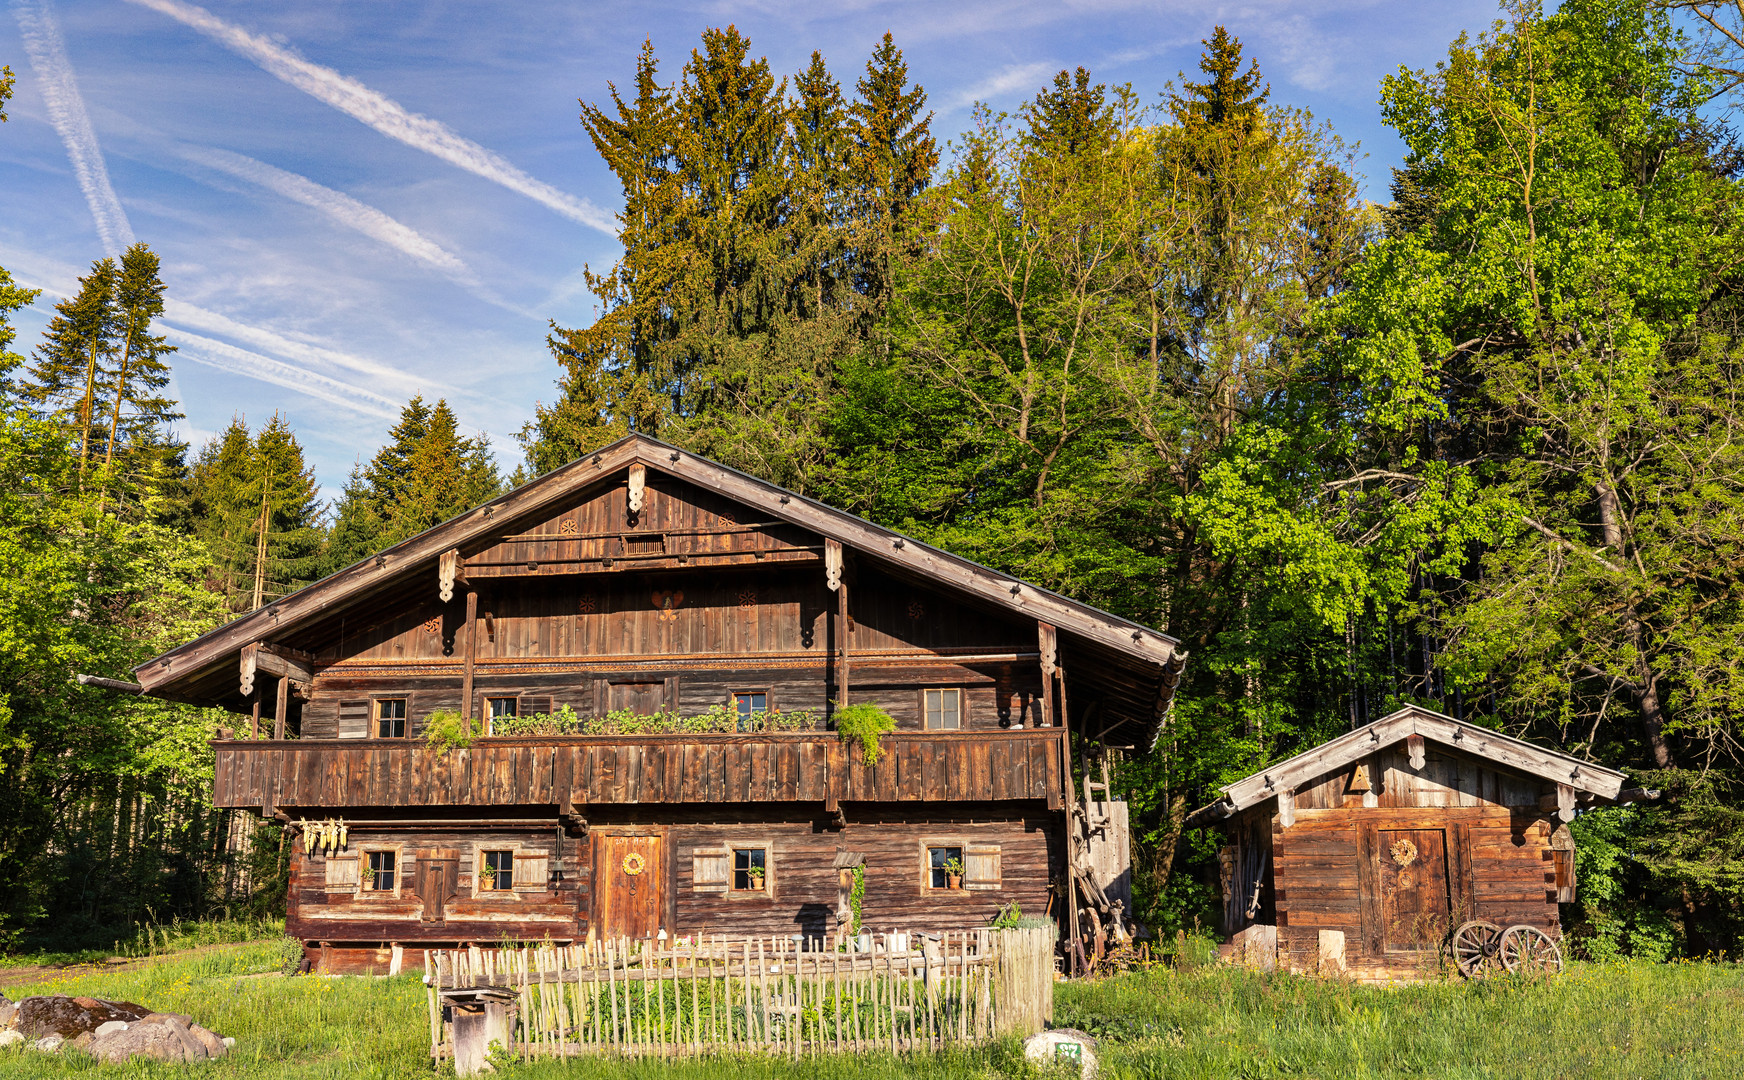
(66, 111)
(1028, 78)
(347, 211)
(381, 112)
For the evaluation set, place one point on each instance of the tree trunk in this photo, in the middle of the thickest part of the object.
(1646, 686)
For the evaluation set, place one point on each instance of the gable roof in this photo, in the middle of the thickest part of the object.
(189, 672)
(1348, 749)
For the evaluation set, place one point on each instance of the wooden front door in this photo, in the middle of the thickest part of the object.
(1414, 895)
(629, 883)
(436, 881)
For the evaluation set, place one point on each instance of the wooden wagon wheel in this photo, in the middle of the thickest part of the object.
(1528, 950)
(1475, 945)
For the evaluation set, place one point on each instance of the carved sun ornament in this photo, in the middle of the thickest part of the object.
(916, 609)
(1404, 852)
(433, 625)
(725, 519)
(567, 527)
(748, 597)
(668, 602)
(586, 604)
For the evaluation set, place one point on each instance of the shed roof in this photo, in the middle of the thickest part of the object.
(1152, 661)
(1348, 749)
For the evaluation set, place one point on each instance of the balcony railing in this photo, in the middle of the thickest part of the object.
(583, 770)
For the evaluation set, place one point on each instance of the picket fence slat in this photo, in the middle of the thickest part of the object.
(774, 996)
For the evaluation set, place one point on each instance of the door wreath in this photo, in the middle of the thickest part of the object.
(634, 863)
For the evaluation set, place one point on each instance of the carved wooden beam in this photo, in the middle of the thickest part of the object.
(1414, 749)
(833, 564)
(449, 569)
(248, 661)
(1565, 801)
(638, 487)
(1286, 808)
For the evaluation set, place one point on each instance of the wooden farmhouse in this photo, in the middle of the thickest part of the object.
(644, 580)
(1365, 854)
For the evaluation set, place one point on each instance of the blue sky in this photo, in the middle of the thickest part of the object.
(356, 202)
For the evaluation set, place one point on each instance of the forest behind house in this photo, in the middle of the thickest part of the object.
(1476, 448)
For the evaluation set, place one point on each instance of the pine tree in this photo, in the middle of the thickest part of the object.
(256, 506)
(99, 373)
(12, 298)
(73, 359)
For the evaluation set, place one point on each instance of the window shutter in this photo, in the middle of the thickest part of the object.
(353, 719)
(712, 869)
(342, 871)
(530, 870)
(981, 866)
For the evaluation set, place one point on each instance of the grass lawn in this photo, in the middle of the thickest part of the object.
(1621, 1021)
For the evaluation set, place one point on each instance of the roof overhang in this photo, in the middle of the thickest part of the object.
(173, 674)
(1346, 750)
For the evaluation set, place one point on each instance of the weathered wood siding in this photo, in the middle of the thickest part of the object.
(1491, 842)
(1014, 765)
(801, 898)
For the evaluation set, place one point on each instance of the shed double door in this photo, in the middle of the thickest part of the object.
(1415, 900)
(629, 885)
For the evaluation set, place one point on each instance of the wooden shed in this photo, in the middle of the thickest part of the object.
(1363, 855)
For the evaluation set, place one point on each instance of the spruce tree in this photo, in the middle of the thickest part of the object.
(427, 473)
(894, 155)
(256, 507)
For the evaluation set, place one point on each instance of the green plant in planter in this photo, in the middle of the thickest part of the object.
(756, 876)
(447, 730)
(954, 868)
(856, 898)
(865, 724)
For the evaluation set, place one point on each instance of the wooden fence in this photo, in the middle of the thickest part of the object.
(894, 992)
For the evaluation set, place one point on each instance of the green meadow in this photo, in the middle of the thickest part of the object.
(1625, 1020)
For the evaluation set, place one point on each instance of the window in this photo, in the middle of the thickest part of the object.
(501, 706)
(944, 710)
(749, 703)
(750, 865)
(390, 718)
(498, 871)
(381, 872)
(942, 862)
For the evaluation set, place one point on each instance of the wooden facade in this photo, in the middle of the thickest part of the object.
(643, 580)
(1361, 856)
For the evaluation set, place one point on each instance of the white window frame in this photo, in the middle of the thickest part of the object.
(962, 708)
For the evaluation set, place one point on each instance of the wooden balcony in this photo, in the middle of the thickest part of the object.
(605, 770)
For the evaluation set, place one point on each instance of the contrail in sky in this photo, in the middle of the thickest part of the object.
(381, 112)
(226, 357)
(66, 111)
(342, 208)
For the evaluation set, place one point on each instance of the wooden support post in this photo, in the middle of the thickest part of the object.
(254, 715)
(471, 651)
(281, 707)
(1048, 640)
(844, 623)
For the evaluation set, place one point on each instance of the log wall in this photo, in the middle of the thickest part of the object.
(801, 898)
